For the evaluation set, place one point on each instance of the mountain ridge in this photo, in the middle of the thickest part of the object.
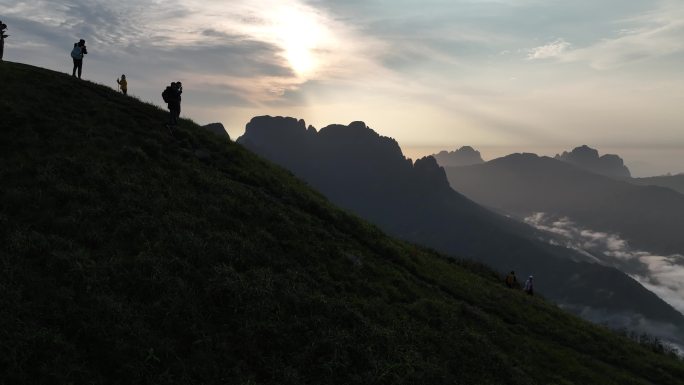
(674, 182)
(382, 186)
(648, 216)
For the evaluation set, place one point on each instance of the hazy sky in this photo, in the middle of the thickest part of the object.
(501, 75)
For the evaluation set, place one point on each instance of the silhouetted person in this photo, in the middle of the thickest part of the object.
(3, 29)
(529, 286)
(511, 280)
(123, 84)
(77, 55)
(172, 96)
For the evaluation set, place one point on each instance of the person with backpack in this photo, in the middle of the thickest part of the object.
(77, 55)
(172, 97)
(123, 84)
(3, 29)
(511, 280)
(529, 286)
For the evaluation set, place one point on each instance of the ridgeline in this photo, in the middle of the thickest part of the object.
(128, 255)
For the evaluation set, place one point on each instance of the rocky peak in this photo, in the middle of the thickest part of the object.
(430, 172)
(464, 156)
(588, 158)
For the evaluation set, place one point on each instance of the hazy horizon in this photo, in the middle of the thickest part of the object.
(642, 162)
(517, 75)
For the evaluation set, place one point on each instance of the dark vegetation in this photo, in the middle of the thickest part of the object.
(128, 258)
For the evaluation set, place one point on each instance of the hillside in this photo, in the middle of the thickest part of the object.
(132, 256)
(360, 170)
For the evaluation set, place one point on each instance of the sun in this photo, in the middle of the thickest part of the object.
(301, 34)
(300, 59)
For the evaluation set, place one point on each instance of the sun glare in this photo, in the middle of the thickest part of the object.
(300, 34)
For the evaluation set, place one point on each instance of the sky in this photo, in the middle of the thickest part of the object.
(500, 75)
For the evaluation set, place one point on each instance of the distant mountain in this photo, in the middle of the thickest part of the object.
(366, 173)
(588, 158)
(674, 182)
(464, 156)
(650, 217)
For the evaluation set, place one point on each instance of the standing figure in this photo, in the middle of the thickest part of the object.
(3, 29)
(511, 281)
(529, 286)
(123, 84)
(177, 104)
(77, 55)
(172, 97)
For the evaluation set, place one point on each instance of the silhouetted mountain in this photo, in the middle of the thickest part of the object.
(125, 260)
(588, 158)
(366, 173)
(218, 129)
(674, 182)
(650, 217)
(464, 156)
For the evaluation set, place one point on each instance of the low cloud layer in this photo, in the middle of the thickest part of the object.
(631, 322)
(661, 274)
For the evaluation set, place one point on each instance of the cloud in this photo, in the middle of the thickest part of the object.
(551, 50)
(267, 46)
(661, 274)
(652, 35)
(633, 46)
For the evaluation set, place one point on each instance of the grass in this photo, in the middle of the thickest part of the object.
(127, 258)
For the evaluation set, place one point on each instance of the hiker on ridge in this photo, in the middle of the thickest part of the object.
(529, 286)
(77, 55)
(172, 96)
(123, 84)
(3, 29)
(511, 280)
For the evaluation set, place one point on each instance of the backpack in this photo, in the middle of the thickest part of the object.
(76, 53)
(166, 95)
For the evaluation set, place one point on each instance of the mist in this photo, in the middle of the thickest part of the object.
(661, 274)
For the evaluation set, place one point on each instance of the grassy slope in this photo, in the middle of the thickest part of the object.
(124, 258)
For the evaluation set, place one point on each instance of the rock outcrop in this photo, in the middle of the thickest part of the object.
(218, 129)
(356, 153)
